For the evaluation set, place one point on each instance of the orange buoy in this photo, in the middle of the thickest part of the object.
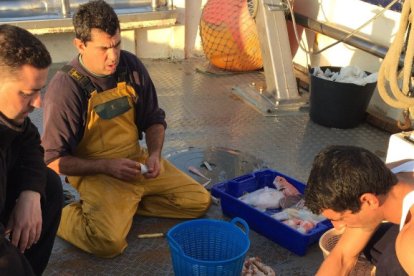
(229, 35)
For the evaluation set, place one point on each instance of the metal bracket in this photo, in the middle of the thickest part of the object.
(280, 93)
(162, 4)
(281, 6)
(276, 53)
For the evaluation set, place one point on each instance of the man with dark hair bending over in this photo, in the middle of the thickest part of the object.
(96, 109)
(355, 190)
(30, 194)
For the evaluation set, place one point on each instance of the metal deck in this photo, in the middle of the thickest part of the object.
(202, 112)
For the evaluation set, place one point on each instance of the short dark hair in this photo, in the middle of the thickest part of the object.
(341, 174)
(19, 47)
(95, 14)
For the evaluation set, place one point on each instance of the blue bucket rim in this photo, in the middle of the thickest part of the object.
(235, 220)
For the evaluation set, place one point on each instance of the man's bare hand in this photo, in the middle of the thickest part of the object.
(123, 169)
(25, 223)
(154, 166)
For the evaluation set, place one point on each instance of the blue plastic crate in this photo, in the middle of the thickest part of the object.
(262, 222)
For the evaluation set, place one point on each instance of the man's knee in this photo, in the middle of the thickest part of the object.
(92, 235)
(203, 202)
(107, 247)
(11, 261)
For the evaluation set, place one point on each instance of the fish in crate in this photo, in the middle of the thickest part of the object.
(284, 203)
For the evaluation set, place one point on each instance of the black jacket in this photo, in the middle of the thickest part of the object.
(21, 159)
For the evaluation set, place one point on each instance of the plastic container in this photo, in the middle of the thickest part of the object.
(208, 247)
(262, 222)
(337, 104)
(328, 241)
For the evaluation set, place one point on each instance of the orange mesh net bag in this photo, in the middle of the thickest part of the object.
(229, 35)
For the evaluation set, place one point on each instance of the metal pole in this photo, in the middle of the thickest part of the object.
(171, 4)
(280, 93)
(155, 4)
(276, 53)
(336, 33)
(65, 5)
(355, 41)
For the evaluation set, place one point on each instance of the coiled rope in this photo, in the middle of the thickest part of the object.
(390, 76)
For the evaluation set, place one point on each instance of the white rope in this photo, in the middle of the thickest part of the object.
(389, 74)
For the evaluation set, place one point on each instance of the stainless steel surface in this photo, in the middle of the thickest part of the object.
(276, 53)
(202, 112)
(281, 5)
(215, 164)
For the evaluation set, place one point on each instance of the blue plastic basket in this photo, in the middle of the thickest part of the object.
(208, 247)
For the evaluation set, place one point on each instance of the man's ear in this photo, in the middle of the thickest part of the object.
(79, 45)
(370, 200)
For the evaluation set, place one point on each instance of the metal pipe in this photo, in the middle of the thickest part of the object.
(155, 4)
(65, 5)
(336, 33)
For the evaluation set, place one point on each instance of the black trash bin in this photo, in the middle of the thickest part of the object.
(338, 104)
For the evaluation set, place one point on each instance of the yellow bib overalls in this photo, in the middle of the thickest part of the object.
(100, 222)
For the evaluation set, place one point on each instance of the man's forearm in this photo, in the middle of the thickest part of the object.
(154, 137)
(74, 166)
(336, 266)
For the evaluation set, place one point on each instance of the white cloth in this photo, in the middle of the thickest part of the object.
(408, 200)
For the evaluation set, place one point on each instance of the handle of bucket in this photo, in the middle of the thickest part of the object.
(242, 222)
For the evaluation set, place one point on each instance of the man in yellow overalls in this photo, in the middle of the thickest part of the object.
(96, 109)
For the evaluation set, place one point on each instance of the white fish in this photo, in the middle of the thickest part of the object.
(265, 198)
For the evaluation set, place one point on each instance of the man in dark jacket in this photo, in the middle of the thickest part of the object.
(30, 194)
